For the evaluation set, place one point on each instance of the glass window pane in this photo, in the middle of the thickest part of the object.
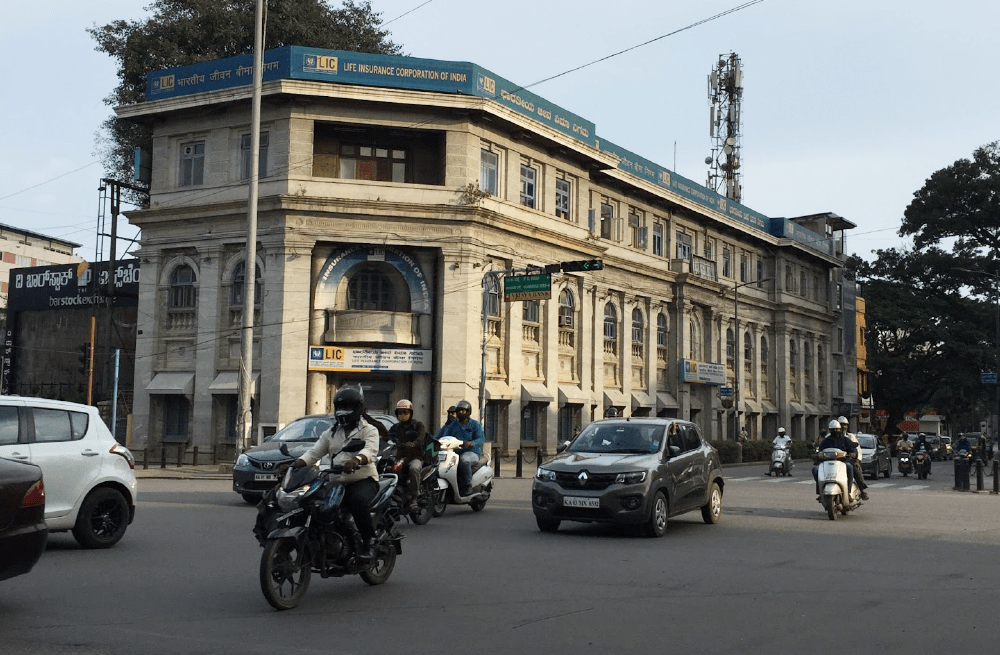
(8, 425)
(52, 425)
(365, 151)
(347, 150)
(399, 154)
(381, 152)
(398, 172)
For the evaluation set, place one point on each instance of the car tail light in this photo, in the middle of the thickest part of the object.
(122, 451)
(35, 495)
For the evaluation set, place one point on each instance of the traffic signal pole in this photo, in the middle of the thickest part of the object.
(90, 361)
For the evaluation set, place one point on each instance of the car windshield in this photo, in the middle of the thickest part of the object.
(305, 429)
(618, 438)
(866, 441)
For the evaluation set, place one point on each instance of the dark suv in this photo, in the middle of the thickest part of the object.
(630, 471)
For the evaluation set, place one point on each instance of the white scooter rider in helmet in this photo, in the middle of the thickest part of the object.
(859, 475)
(782, 442)
(837, 439)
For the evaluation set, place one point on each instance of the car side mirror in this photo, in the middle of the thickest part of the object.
(354, 446)
(563, 446)
(283, 449)
(673, 450)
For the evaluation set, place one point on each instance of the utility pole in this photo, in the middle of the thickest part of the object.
(250, 260)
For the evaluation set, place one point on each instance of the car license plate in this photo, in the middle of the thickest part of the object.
(265, 477)
(576, 501)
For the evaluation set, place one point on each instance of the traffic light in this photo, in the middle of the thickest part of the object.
(84, 358)
(582, 265)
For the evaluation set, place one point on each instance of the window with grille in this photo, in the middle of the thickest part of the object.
(683, 246)
(661, 331)
(563, 190)
(638, 327)
(528, 185)
(371, 290)
(192, 164)
(566, 309)
(610, 322)
(182, 290)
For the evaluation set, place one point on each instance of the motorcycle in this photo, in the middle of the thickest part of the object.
(781, 461)
(922, 464)
(831, 484)
(429, 490)
(482, 479)
(905, 464)
(304, 528)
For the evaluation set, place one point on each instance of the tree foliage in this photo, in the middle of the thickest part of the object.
(182, 32)
(933, 315)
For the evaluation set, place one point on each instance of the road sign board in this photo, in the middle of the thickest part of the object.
(988, 378)
(726, 391)
(527, 287)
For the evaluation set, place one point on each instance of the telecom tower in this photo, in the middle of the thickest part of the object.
(725, 91)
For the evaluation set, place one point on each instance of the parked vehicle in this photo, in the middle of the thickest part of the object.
(256, 470)
(831, 484)
(479, 489)
(22, 517)
(636, 471)
(781, 462)
(304, 528)
(90, 485)
(875, 458)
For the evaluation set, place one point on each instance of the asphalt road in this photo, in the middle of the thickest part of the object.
(915, 570)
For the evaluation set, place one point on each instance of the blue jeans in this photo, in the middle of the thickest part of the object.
(466, 459)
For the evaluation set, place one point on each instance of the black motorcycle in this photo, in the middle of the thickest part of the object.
(922, 464)
(389, 461)
(304, 528)
(905, 465)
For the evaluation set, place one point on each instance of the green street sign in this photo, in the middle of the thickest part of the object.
(527, 287)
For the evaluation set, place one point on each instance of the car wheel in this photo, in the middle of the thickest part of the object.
(547, 525)
(102, 520)
(250, 499)
(888, 470)
(656, 525)
(712, 510)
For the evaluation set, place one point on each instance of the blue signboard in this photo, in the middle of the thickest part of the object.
(988, 378)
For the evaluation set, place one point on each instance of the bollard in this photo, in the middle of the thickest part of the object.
(517, 470)
(496, 466)
(163, 456)
(966, 471)
(180, 455)
(996, 476)
(958, 473)
(980, 483)
(194, 457)
(145, 458)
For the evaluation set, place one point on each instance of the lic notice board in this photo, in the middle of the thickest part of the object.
(527, 287)
(367, 360)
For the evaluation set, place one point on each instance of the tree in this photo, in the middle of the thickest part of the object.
(182, 32)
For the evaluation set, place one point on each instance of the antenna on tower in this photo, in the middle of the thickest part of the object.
(725, 93)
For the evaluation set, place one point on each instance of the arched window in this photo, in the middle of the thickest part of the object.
(531, 311)
(566, 309)
(730, 348)
(239, 285)
(793, 357)
(747, 351)
(493, 297)
(661, 331)
(638, 327)
(369, 289)
(182, 290)
(764, 355)
(610, 322)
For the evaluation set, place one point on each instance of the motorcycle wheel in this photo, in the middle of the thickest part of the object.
(423, 515)
(381, 568)
(440, 503)
(830, 507)
(284, 573)
(477, 504)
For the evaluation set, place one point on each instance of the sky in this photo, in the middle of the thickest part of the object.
(848, 107)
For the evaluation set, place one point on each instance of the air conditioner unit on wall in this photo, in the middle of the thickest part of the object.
(565, 321)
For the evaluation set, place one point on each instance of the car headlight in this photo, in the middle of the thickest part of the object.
(243, 460)
(545, 474)
(633, 477)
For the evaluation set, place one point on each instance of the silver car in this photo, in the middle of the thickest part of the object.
(638, 471)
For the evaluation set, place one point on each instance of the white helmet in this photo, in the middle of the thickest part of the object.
(844, 422)
(781, 430)
(834, 425)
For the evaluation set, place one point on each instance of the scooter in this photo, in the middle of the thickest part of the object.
(922, 464)
(905, 464)
(831, 484)
(482, 479)
(781, 461)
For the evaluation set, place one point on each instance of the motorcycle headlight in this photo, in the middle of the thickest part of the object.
(243, 460)
(632, 477)
(545, 474)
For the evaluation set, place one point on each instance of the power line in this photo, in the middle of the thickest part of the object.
(408, 12)
(47, 181)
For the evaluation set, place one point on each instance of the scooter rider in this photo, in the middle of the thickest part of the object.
(859, 475)
(781, 441)
(410, 437)
(359, 475)
(470, 432)
(836, 439)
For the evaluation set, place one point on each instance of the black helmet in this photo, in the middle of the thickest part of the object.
(463, 405)
(348, 405)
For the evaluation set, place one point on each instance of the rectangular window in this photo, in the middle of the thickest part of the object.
(760, 273)
(368, 163)
(708, 249)
(744, 268)
(727, 266)
(840, 383)
(840, 340)
(246, 160)
(635, 223)
(529, 422)
(52, 425)
(489, 169)
(175, 418)
(803, 285)
(529, 177)
(192, 171)
(816, 288)
(607, 220)
(658, 239)
(563, 190)
(683, 246)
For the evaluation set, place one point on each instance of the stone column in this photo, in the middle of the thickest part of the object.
(206, 346)
(146, 344)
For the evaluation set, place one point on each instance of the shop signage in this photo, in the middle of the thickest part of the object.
(695, 372)
(369, 360)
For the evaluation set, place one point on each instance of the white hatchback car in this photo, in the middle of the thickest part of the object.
(90, 485)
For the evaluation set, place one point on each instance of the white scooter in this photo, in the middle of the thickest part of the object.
(781, 461)
(482, 479)
(831, 483)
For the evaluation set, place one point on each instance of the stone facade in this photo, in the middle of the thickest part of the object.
(382, 214)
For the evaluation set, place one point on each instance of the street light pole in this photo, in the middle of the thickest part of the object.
(737, 360)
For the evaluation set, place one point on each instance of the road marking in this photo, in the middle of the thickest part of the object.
(805, 482)
(915, 486)
(741, 479)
